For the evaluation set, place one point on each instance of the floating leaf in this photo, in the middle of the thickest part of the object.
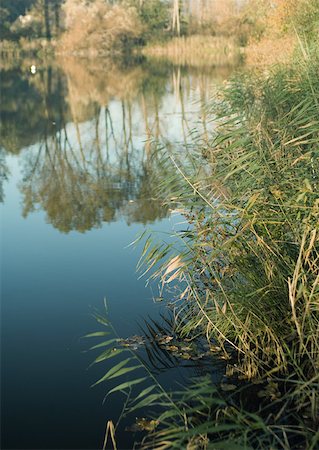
(172, 348)
(134, 341)
(214, 349)
(225, 356)
(228, 387)
(185, 356)
(146, 425)
(164, 339)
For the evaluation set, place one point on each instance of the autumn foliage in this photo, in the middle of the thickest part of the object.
(98, 27)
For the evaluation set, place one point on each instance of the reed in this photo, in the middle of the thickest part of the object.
(197, 51)
(247, 267)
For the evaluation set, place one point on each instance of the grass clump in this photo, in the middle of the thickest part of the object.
(198, 51)
(250, 269)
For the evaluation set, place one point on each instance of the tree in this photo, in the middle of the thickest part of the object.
(99, 27)
(46, 19)
(176, 24)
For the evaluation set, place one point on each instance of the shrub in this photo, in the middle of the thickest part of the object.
(99, 27)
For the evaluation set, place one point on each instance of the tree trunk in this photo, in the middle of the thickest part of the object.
(176, 25)
(46, 19)
(57, 17)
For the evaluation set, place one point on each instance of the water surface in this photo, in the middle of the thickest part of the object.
(78, 173)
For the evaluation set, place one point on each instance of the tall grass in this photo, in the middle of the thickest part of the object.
(198, 51)
(249, 267)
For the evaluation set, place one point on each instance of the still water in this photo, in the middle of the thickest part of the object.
(79, 181)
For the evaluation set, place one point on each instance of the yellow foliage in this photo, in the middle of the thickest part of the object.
(97, 27)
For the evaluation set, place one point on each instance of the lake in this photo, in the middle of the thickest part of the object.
(79, 176)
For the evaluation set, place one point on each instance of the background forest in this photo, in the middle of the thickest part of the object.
(113, 25)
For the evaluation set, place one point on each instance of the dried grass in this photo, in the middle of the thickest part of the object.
(270, 51)
(197, 51)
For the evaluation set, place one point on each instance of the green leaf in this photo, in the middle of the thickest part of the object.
(146, 401)
(104, 343)
(126, 385)
(124, 371)
(112, 371)
(109, 353)
(101, 319)
(97, 334)
(145, 392)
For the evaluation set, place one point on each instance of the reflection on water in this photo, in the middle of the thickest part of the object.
(90, 130)
(78, 151)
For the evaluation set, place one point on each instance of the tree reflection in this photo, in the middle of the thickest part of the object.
(80, 191)
(3, 173)
(29, 105)
(84, 176)
(96, 127)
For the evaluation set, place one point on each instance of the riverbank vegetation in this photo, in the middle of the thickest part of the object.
(197, 51)
(249, 273)
(247, 266)
(154, 27)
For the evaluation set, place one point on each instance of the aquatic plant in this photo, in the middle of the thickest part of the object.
(250, 265)
(247, 267)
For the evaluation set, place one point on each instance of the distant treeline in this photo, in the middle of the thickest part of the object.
(107, 24)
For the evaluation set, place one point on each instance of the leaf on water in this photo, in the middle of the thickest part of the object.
(172, 348)
(186, 349)
(214, 349)
(271, 391)
(185, 356)
(197, 357)
(162, 340)
(146, 425)
(225, 356)
(228, 387)
(134, 341)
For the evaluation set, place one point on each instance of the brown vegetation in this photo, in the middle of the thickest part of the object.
(270, 51)
(97, 28)
(197, 51)
(283, 22)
